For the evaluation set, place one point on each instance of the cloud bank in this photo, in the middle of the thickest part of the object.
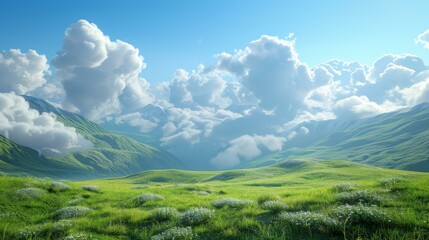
(41, 132)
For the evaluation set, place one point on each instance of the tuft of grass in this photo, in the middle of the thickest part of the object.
(175, 233)
(358, 196)
(310, 220)
(30, 193)
(274, 206)
(231, 202)
(146, 197)
(202, 193)
(72, 212)
(196, 216)
(164, 214)
(361, 214)
(59, 187)
(141, 186)
(91, 188)
(391, 181)
(343, 187)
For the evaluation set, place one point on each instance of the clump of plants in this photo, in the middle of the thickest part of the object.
(59, 187)
(358, 196)
(176, 233)
(231, 203)
(274, 206)
(311, 220)
(141, 186)
(361, 214)
(196, 216)
(343, 187)
(388, 182)
(146, 197)
(76, 200)
(202, 193)
(91, 188)
(164, 214)
(72, 212)
(30, 193)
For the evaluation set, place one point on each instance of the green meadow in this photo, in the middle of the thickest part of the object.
(301, 199)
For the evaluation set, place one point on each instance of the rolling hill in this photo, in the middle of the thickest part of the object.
(112, 154)
(398, 140)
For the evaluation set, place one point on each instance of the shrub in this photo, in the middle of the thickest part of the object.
(175, 233)
(30, 193)
(146, 197)
(275, 206)
(58, 187)
(72, 212)
(164, 214)
(360, 214)
(29, 232)
(196, 216)
(267, 197)
(316, 221)
(231, 202)
(358, 196)
(343, 187)
(388, 182)
(91, 188)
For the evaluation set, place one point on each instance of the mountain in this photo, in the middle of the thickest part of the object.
(112, 154)
(397, 140)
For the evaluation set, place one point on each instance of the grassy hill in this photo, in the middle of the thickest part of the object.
(112, 154)
(397, 140)
(303, 199)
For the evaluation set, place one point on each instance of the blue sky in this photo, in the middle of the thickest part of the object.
(183, 34)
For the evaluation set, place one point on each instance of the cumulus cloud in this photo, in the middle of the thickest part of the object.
(423, 38)
(417, 93)
(270, 68)
(246, 148)
(22, 72)
(355, 107)
(41, 132)
(100, 76)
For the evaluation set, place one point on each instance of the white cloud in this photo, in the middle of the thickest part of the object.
(418, 92)
(22, 72)
(361, 107)
(100, 77)
(271, 70)
(41, 132)
(423, 38)
(246, 147)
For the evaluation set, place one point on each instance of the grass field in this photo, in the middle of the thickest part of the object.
(301, 199)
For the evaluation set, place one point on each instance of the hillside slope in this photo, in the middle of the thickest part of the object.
(112, 155)
(397, 140)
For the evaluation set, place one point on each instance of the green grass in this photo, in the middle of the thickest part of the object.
(309, 189)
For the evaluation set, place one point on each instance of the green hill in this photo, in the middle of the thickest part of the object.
(112, 154)
(304, 199)
(398, 140)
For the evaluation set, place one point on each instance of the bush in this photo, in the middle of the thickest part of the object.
(146, 197)
(360, 214)
(202, 193)
(58, 187)
(231, 202)
(175, 233)
(343, 187)
(91, 188)
(358, 196)
(30, 193)
(72, 212)
(388, 182)
(76, 200)
(267, 197)
(275, 206)
(29, 232)
(141, 186)
(196, 216)
(310, 220)
(164, 214)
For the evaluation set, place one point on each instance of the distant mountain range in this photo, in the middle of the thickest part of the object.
(397, 140)
(112, 154)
